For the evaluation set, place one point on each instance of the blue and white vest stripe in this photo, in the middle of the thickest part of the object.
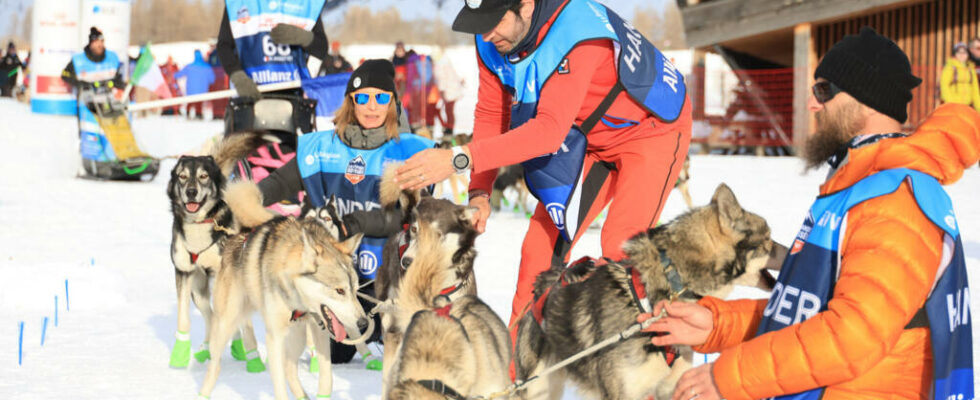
(644, 72)
(331, 168)
(94, 145)
(264, 60)
(808, 275)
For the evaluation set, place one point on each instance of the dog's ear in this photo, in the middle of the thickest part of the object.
(729, 210)
(308, 258)
(350, 245)
(468, 214)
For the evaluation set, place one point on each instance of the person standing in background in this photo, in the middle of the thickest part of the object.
(958, 83)
(450, 89)
(199, 76)
(8, 70)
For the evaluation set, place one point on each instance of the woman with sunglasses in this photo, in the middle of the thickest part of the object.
(958, 83)
(347, 163)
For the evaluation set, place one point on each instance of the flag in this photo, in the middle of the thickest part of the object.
(146, 74)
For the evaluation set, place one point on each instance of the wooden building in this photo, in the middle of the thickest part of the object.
(792, 36)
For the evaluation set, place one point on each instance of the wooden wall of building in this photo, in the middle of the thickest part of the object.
(926, 31)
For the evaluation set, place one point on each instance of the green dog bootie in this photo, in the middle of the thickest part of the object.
(314, 364)
(254, 364)
(372, 362)
(180, 356)
(203, 354)
(323, 396)
(238, 350)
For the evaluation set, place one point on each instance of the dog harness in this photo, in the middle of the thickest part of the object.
(439, 387)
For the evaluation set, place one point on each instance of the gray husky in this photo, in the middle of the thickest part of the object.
(703, 252)
(294, 272)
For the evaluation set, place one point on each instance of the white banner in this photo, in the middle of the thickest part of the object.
(54, 38)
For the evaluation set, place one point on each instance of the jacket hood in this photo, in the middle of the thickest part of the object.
(943, 146)
(198, 57)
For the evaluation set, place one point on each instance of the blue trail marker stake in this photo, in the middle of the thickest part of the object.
(44, 330)
(67, 307)
(56, 310)
(20, 345)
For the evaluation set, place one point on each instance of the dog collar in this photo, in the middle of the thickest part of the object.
(677, 287)
(449, 293)
(438, 386)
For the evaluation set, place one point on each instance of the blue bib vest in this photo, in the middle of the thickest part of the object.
(262, 59)
(94, 145)
(806, 281)
(644, 73)
(331, 168)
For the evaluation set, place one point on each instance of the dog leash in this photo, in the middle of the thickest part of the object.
(611, 340)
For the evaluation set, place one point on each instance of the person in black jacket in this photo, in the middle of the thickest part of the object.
(8, 70)
(95, 52)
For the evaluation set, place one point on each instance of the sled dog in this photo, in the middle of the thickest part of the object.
(703, 252)
(293, 272)
(452, 347)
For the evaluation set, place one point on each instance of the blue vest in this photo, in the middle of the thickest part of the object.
(94, 145)
(644, 73)
(264, 60)
(331, 168)
(809, 273)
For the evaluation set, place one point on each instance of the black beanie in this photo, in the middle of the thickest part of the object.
(872, 69)
(94, 34)
(378, 74)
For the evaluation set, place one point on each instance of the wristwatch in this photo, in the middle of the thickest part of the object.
(461, 161)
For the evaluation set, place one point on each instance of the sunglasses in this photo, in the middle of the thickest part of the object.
(825, 91)
(364, 98)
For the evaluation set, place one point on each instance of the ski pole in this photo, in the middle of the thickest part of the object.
(223, 94)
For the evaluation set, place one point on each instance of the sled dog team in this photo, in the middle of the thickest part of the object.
(441, 341)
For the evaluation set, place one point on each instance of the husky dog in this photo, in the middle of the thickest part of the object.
(452, 221)
(293, 272)
(452, 348)
(703, 252)
(202, 224)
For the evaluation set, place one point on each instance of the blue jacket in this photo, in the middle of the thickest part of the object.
(199, 74)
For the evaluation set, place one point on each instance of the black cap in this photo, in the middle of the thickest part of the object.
(872, 69)
(378, 74)
(481, 16)
(94, 34)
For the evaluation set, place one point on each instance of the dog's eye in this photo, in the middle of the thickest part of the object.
(414, 229)
(341, 291)
(182, 177)
(203, 177)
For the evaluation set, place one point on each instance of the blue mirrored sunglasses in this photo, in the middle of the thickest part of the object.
(381, 98)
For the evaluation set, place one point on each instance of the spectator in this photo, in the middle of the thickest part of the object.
(975, 53)
(199, 77)
(958, 83)
(335, 63)
(8, 71)
(169, 70)
(399, 59)
(450, 86)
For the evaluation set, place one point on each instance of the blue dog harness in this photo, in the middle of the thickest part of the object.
(808, 275)
(331, 168)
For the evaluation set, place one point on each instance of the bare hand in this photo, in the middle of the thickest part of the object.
(697, 383)
(482, 214)
(685, 324)
(425, 168)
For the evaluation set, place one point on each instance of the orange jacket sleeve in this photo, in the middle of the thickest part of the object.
(561, 100)
(889, 258)
(734, 322)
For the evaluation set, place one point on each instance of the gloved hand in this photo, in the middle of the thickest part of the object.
(291, 35)
(244, 85)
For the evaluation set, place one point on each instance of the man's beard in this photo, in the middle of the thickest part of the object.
(834, 130)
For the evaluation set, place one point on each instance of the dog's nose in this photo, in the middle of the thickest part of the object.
(406, 261)
(192, 193)
(362, 324)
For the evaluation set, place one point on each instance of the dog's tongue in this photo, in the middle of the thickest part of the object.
(338, 328)
(192, 207)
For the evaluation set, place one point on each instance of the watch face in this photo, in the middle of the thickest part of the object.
(461, 161)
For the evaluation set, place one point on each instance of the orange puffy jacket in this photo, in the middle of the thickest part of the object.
(858, 348)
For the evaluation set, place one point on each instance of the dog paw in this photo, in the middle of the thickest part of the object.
(203, 355)
(254, 364)
(374, 365)
(180, 356)
(238, 350)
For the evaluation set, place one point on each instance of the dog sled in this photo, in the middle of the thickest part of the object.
(108, 148)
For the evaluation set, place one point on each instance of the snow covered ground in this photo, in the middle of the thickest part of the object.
(110, 241)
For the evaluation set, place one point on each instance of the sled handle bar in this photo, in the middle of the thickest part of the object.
(222, 94)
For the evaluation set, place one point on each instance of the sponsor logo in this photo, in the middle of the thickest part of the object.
(563, 67)
(310, 159)
(242, 15)
(474, 4)
(799, 303)
(345, 206)
(557, 213)
(950, 221)
(355, 170)
(830, 219)
(357, 82)
(367, 263)
(958, 308)
(797, 246)
(273, 5)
